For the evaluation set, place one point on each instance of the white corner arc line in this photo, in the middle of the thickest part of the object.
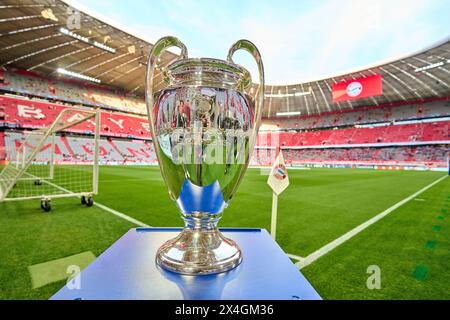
(101, 206)
(337, 242)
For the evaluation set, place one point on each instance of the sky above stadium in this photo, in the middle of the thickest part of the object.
(299, 40)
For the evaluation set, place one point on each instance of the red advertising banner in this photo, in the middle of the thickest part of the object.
(36, 114)
(358, 88)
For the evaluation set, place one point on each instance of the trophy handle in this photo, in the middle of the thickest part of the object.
(253, 50)
(158, 48)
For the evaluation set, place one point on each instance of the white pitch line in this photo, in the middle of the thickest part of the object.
(293, 256)
(101, 206)
(337, 242)
(121, 215)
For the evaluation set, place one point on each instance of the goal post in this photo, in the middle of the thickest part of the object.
(96, 153)
(53, 162)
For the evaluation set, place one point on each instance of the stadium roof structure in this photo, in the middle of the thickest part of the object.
(419, 76)
(34, 35)
(43, 35)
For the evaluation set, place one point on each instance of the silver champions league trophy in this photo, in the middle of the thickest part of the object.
(204, 118)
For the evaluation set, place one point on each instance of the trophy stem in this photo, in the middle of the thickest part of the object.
(200, 249)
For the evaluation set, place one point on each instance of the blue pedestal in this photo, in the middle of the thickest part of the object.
(127, 270)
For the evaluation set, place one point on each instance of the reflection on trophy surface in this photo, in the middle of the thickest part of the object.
(204, 123)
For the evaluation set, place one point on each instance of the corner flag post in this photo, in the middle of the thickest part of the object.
(448, 166)
(278, 181)
(273, 226)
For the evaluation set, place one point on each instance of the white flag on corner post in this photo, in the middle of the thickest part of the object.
(278, 181)
(278, 178)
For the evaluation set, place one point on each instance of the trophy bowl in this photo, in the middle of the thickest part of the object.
(204, 120)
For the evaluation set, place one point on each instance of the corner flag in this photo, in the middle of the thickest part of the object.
(278, 181)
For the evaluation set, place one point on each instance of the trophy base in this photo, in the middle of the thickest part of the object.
(199, 252)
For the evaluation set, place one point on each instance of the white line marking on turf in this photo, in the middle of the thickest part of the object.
(417, 199)
(293, 256)
(101, 206)
(337, 242)
(121, 215)
(133, 180)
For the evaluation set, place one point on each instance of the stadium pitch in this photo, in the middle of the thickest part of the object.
(409, 245)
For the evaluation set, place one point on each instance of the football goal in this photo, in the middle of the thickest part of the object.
(47, 163)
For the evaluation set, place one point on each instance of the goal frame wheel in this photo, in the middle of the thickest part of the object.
(46, 205)
(89, 201)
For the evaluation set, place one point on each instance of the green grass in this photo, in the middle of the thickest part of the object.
(28, 237)
(413, 255)
(319, 206)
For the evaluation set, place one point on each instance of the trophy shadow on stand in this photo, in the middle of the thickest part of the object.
(202, 287)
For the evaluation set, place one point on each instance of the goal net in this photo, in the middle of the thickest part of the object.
(47, 163)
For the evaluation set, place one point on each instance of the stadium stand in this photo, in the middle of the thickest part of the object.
(37, 114)
(394, 133)
(21, 113)
(368, 115)
(76, 149)
(29, 83)
(26, 113)
(398, 155)
(406, 132)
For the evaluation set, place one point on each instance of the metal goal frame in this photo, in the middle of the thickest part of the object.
(23, 161)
